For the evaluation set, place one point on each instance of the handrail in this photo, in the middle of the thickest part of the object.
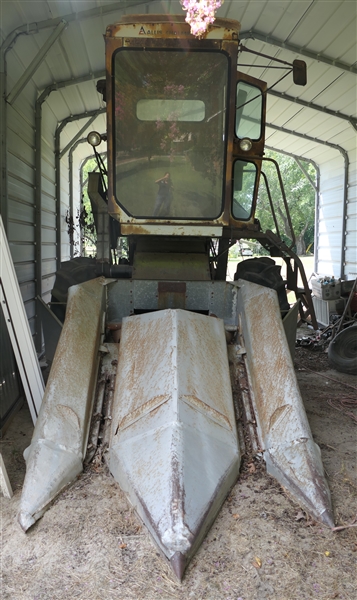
(293, 238)
(271, 203)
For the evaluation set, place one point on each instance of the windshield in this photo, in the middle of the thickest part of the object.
(170, 122)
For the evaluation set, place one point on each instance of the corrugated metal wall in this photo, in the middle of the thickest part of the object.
(336, 235)
(21, 193)
(328, 243)
(48, 201)
(351, 222)
(10, 387)
(21, 184)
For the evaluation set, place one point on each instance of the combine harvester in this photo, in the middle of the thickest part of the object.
(165, 353)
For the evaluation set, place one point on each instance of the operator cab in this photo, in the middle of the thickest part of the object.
(185, 130)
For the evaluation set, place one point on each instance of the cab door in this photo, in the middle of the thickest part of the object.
(248, 147)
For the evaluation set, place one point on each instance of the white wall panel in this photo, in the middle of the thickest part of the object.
(21, 178)
(20, 191)
(20, 211)
(330, 217)
(48, 252)
(21, 158)
(19, 251)
(28, 290)
(23, 233)
(47, 286)
(48, 267)
(351, 223)
(24, 271)
(49, 203)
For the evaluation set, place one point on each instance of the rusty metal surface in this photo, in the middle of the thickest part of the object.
(171, 266)
(58, 444)
(214, 297)
(131, 226)
(285, 436)
(174, 447)
(174, 26)
(290, 325)
(172, 32)
(171, 294)
(248, 437)
(102, 406)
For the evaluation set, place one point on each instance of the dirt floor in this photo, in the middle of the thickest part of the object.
(91, 546)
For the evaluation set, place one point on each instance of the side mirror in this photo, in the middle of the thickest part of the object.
(101, 88)
(299, 72)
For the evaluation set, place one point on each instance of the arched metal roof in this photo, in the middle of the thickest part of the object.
(323, 34)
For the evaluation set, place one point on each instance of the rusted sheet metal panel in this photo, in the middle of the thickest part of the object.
(171, 294)
(174, 447)
(103, 400)
(216, 297)
(170, 26)
(131, 226)
(58, 444)
(289, 450)
(290, 325)
(171, 266)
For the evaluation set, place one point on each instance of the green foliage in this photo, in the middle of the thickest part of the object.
(300, 197)
(86, 220)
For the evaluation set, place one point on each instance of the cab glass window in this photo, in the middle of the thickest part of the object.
(249, 106)
(170, 132)
(244, 181)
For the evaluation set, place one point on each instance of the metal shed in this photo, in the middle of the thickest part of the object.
(52, 54)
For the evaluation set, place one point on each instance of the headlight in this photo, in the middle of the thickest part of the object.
(245, 144)
(94, 138)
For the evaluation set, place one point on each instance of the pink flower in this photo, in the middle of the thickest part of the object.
(200, 14)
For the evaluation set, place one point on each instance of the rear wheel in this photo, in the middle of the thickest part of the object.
(342, 351)
(264, 271)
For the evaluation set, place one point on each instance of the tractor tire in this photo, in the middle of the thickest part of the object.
(264, 271)
(342, 351)
(71, 272)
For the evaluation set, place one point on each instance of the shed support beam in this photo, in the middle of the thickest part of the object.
(75, 81)
(268, 39)
(125, 4)
(60, 127)
(5, 47)
(3, 145)
(38, 199)
(32, 68)
(316, 186)
(35, 27)
(84, 182)
(323, 109)
(306, 173)
(74, 144)
(71, 147)
(345, 184)
(70, 168)
(38, 212)
(78, 135)
(46, 92)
